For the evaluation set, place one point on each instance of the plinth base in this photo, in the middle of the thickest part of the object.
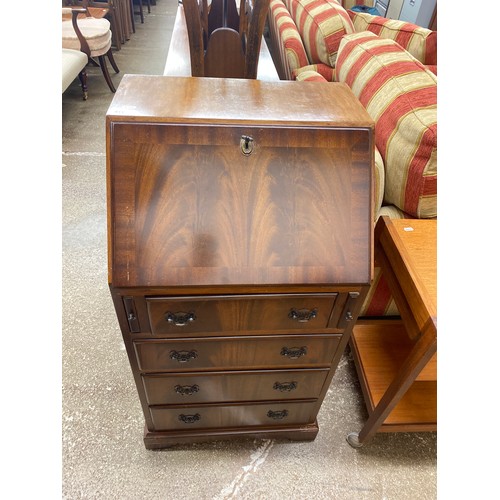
(165, 439)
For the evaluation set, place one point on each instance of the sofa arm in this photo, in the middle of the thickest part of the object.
(285, 40)
(321, 24)
(420, 42)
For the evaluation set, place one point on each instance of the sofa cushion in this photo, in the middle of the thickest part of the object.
(401, 97)
(420, 42)
(322, 24)
(291, 46)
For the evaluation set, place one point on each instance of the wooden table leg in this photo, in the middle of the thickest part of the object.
(423, 350)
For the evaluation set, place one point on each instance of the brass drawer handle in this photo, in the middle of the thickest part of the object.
(180, 318)
(183, 356)
(285, 386)
(189, 419)
(186, 390)
(294, 352)
(303, 315)
(277, 415)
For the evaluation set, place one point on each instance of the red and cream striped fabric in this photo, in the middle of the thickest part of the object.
(401, 97)
(291, 44)
(321, 24)
(379, 301)
(420, 42)
(379, 183)
(326, 72)
(309, 75)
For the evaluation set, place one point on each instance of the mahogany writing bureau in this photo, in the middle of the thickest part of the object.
(240, 248)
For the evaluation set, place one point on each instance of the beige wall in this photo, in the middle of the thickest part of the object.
(394, 9)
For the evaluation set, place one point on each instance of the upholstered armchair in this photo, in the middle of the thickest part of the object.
(97, 34)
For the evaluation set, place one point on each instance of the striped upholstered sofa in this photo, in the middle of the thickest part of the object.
(391, 67)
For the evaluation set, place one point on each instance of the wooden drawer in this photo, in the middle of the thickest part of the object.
(211, 416)
(243, 313)
(220, 353)
(233, 386)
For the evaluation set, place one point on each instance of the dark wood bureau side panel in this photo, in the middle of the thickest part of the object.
(236, 353)
(188, 315)
(189, 388)
(207, 416)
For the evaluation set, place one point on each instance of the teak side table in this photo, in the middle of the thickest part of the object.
(396, 360)
(240, 249)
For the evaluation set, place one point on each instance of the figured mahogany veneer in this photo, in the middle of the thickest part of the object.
(240, 248)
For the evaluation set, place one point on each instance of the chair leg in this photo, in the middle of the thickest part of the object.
(105, 72)
(109, 53)
(83, 80)
(149, 6)
(132, 15)
(141, 11)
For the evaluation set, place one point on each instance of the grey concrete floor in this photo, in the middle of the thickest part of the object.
(103, 455)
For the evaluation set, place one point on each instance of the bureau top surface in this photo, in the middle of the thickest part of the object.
(231, 101)
(187, 207)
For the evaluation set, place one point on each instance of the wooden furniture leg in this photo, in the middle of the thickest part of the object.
(141, 10)
(112, 61)
(132, 21)
(105, 72)
(83, 80)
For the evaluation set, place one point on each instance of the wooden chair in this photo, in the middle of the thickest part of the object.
(114, 16)
(109, 9)
(140, 3)
(222, 43)
(97, 34)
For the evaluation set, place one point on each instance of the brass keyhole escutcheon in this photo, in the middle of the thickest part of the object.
(246, 144)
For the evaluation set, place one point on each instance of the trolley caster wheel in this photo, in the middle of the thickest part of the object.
(353, 440)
